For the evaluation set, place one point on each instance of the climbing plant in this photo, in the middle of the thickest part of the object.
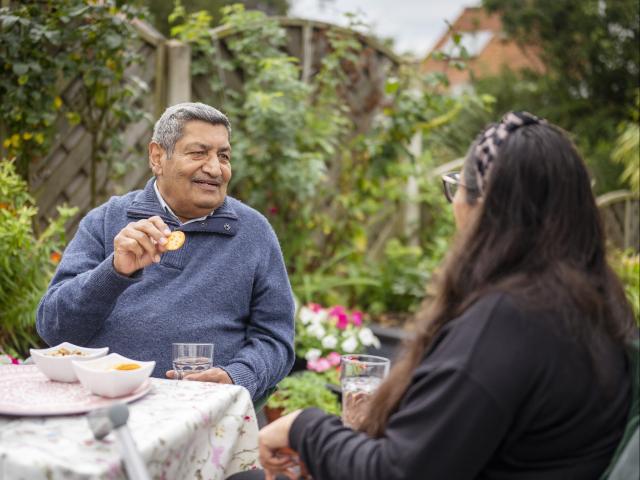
(44, 45)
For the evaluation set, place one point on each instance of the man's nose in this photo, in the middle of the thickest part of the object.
(212, 166)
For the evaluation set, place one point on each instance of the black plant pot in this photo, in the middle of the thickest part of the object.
(391, 341)
(299, 365)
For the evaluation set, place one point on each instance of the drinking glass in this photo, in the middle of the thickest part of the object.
(191, 358)
(360, 376)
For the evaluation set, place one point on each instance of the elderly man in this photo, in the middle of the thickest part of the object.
(118, 285)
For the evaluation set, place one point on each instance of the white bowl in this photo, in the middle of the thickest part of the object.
(100, 377)
(60, 369)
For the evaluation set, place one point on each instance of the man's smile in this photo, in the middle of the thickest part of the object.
(207, 184)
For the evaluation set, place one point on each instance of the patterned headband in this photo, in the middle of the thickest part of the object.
(487, 148)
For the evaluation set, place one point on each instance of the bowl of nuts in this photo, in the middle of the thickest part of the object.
(57, 362)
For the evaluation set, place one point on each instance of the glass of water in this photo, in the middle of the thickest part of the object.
(360, 376)
(191, 358)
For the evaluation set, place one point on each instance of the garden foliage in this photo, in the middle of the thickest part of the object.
(304, 390)
(45, 45)
(592, 72)
(27, 261)
(334, 195)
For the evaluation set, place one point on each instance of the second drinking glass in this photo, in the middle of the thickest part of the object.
(360, 376)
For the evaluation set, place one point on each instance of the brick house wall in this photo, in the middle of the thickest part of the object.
(497, 53)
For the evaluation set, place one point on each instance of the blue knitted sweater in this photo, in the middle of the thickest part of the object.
(227, 285)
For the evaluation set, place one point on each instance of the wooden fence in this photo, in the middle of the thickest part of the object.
(307, 41)
(63, 176)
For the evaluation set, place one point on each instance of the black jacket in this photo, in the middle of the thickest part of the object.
(501, 394)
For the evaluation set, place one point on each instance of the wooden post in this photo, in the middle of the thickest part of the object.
(178, 72)
(412, 207)
(160, 94)
(307, 51)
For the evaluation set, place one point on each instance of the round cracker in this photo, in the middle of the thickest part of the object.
(175, 240)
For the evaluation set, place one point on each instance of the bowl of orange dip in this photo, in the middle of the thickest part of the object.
(114, 375)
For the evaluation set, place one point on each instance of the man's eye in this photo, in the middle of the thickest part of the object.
(224, 156)
(198, 154)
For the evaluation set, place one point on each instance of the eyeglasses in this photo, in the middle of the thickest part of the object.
(450, 183)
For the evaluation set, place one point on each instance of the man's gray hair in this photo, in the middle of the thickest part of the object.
(169, 127)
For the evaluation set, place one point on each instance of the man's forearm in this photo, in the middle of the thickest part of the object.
(75, 307)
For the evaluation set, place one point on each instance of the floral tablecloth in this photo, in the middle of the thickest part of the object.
(183, 430)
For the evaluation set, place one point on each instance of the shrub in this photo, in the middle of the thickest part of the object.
(627, 265)
(27, 260)
(304, 390)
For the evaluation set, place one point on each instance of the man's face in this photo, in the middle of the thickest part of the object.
(194, 180)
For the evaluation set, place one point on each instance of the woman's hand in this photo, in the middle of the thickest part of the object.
(275, 455)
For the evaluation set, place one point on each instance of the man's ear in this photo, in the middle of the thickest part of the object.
(156, 157)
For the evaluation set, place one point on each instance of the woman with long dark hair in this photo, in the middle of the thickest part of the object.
(518, 368)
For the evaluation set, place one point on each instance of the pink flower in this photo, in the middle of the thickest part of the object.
(323, 365)
(216, 453)
(334, 359)
(337, 310)
(343, 321)
(314, 307)
(6, 359)
(356, 318)
(273, 210)
(319, 365)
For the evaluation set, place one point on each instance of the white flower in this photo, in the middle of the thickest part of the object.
(367, 338)
(350, 344)
(316, 330)
(306, 315)
(312, 355)
(321, 316)
(329, 342)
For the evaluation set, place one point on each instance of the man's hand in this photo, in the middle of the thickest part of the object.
(139, 244)
(215, 375)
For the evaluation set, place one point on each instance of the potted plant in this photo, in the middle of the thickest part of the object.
(303, 390)
(323, 332)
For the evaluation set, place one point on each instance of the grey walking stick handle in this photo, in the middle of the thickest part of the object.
(114, 419)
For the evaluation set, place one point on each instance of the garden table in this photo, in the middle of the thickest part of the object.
(183, 430)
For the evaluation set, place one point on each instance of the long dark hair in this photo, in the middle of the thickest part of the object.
(537, 235)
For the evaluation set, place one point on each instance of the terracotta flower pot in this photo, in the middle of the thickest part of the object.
(272, 414)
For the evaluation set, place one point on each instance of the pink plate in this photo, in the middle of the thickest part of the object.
(25, 391)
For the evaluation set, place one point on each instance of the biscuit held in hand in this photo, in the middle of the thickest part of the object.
(175, 240)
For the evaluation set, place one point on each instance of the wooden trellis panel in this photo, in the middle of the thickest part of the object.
(620, 212)
(63, 176)
(307, 40)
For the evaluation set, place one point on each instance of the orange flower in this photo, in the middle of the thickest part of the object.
(55, 257)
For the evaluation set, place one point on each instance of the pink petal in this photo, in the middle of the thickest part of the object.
(334, 359)
(315, 307)
(323, 365)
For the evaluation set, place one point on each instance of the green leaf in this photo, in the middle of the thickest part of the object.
(113, 41)
(73, 118)
(9, 21)
(20, 68)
